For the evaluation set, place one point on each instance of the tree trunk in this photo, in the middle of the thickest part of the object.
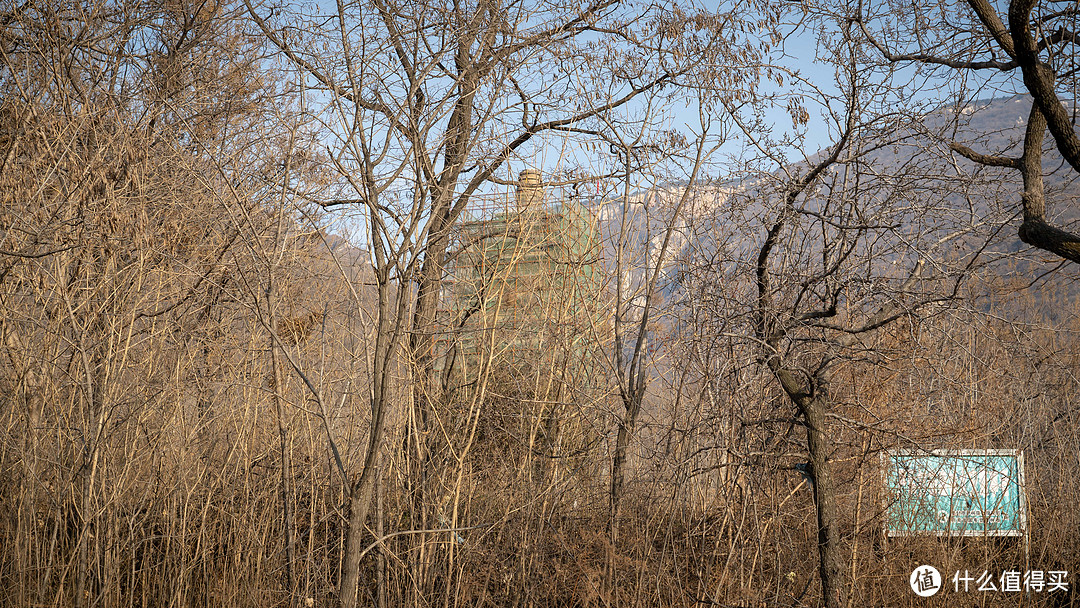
(286, 475)
(360, 492)
(813, 405)
(830, 558)
(618, 461)
(359, 502)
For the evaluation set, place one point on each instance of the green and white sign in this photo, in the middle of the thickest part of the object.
(955, 493)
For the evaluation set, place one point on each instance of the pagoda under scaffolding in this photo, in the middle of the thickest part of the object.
(522, 295)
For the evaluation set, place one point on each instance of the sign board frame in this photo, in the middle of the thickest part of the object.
(1021, 514)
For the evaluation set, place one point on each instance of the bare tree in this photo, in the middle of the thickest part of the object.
(114, 261)
(852, 240)
(428, 105)
(1032, 47)
(657, 177)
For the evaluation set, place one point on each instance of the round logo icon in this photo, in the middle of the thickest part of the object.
(925, 581)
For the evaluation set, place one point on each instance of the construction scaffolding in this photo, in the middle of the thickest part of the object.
(522, 292)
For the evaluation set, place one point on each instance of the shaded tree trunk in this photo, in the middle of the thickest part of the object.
(830, 558)
(812, 402)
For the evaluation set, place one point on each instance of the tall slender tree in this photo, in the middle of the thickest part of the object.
(430, 104)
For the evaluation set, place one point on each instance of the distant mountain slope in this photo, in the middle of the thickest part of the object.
(997, 126)
(994, 127)
(722, 226)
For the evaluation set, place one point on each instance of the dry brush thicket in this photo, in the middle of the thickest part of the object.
(189, 359)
